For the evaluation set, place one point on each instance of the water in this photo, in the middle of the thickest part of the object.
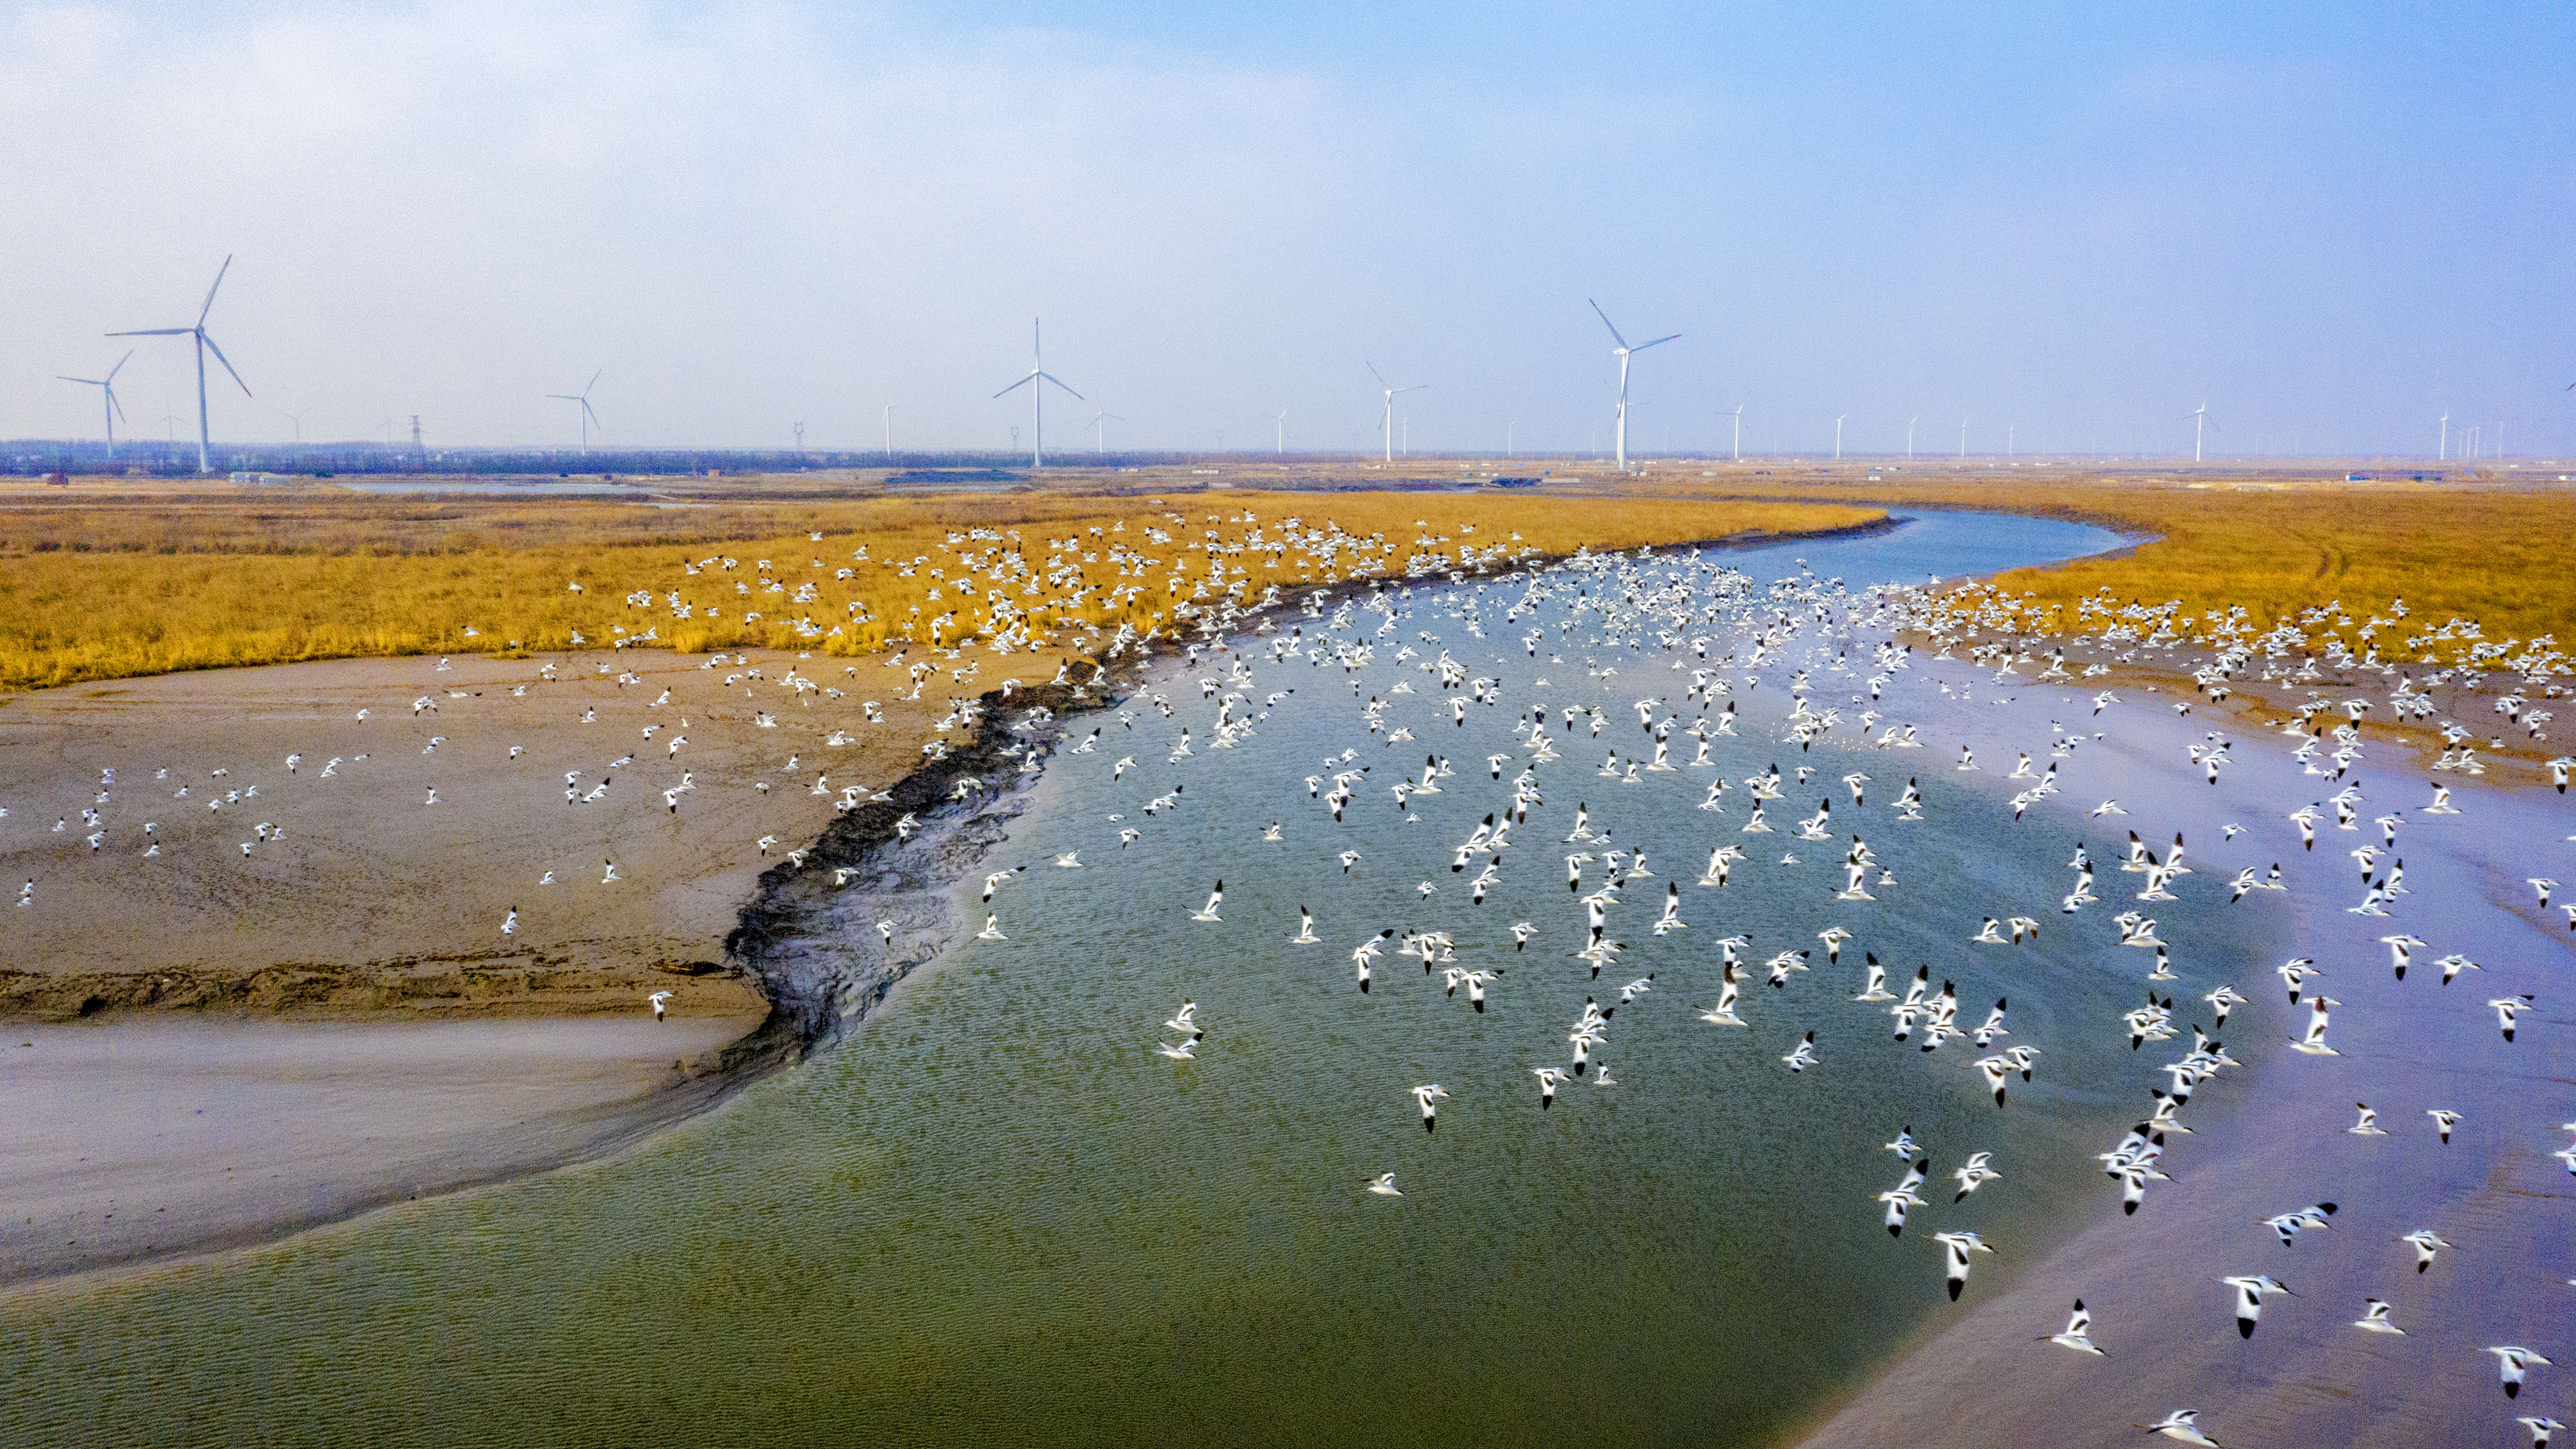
(995, 1215)
(547, 487)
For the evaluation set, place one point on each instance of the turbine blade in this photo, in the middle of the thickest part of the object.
(1015, 387)
(1051, 377)
(210, 294)
(157, 332)
(92, 381)
(592, 412)
(1373, 372)
(594, 382)
(1605, 321)
(219, 354)
(1417, 387)
(113, 403)
(1658, 342)
(120, 365)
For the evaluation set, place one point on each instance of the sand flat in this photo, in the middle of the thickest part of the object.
(365, 899)
(150, 1138)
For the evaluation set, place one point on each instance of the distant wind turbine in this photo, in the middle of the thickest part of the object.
(1963, 440)
(1624, 352)
(1739, 432)
(2199, 423)
(1100, 424)
(1387, 425)
(1838, 437)
(1036, 383)
(582, 398)
(1279, 442)
(1909, 436)
(108, 405)
(889, 426)
(2445, 447)
(204, 344)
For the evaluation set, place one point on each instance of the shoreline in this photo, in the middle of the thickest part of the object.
(809, 949)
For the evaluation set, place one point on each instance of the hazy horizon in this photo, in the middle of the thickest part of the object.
(2330, 226)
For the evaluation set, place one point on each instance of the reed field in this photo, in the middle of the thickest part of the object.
(2492, 554)
(122, 588)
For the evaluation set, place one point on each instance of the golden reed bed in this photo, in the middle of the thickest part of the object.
(148, 586)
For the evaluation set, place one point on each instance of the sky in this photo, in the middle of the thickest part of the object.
(2329, 223)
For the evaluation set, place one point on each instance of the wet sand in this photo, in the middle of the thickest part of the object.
(364, 899)
(154, 1138)
(2270, 1138)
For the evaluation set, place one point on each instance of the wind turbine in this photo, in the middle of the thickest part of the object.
(1739, 432)
(1279, 443)
(298, 420)
(1963, 440)
(1100, 425)
(1388, 425)
(108, 404)
(1909, 436)
(1838, 437)
(1507, 437)
(1624, 352)
(2445, 453)
(583, 398)
(204, 343)
(2200, 422)
(1036, 383)
(889, 425)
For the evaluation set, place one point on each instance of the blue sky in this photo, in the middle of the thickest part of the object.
(2333, 223)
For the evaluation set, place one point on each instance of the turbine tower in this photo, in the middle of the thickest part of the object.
(1739, 432)
(1909, 436)
(1624, 352)
(1036, 383)
(108, 404)
(204, 344)
(1100, 426)
(583, 399)
(1279, 442)
(2200, 422)
(2444, 455)
(889, 426)
(1387, 425)
(1838, 437)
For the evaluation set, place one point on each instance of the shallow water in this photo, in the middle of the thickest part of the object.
(995, 1214)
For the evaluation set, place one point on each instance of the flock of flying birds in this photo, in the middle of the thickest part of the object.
(1726, 637)
(1711, 637)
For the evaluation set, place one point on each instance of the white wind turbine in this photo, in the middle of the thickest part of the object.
(1909, 436)
(1100, 424)
(108, 404)
(1279, 440)
(1387, 425)
(1624, 352)
(204, 344)
(1838, 437)
(582, 400)
(1036, 383)
(889, 427)
(1739, 432)
(2445, 453)
(2200, 422)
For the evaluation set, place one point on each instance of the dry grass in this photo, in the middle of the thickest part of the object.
(117, 590)
(2495, 555)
